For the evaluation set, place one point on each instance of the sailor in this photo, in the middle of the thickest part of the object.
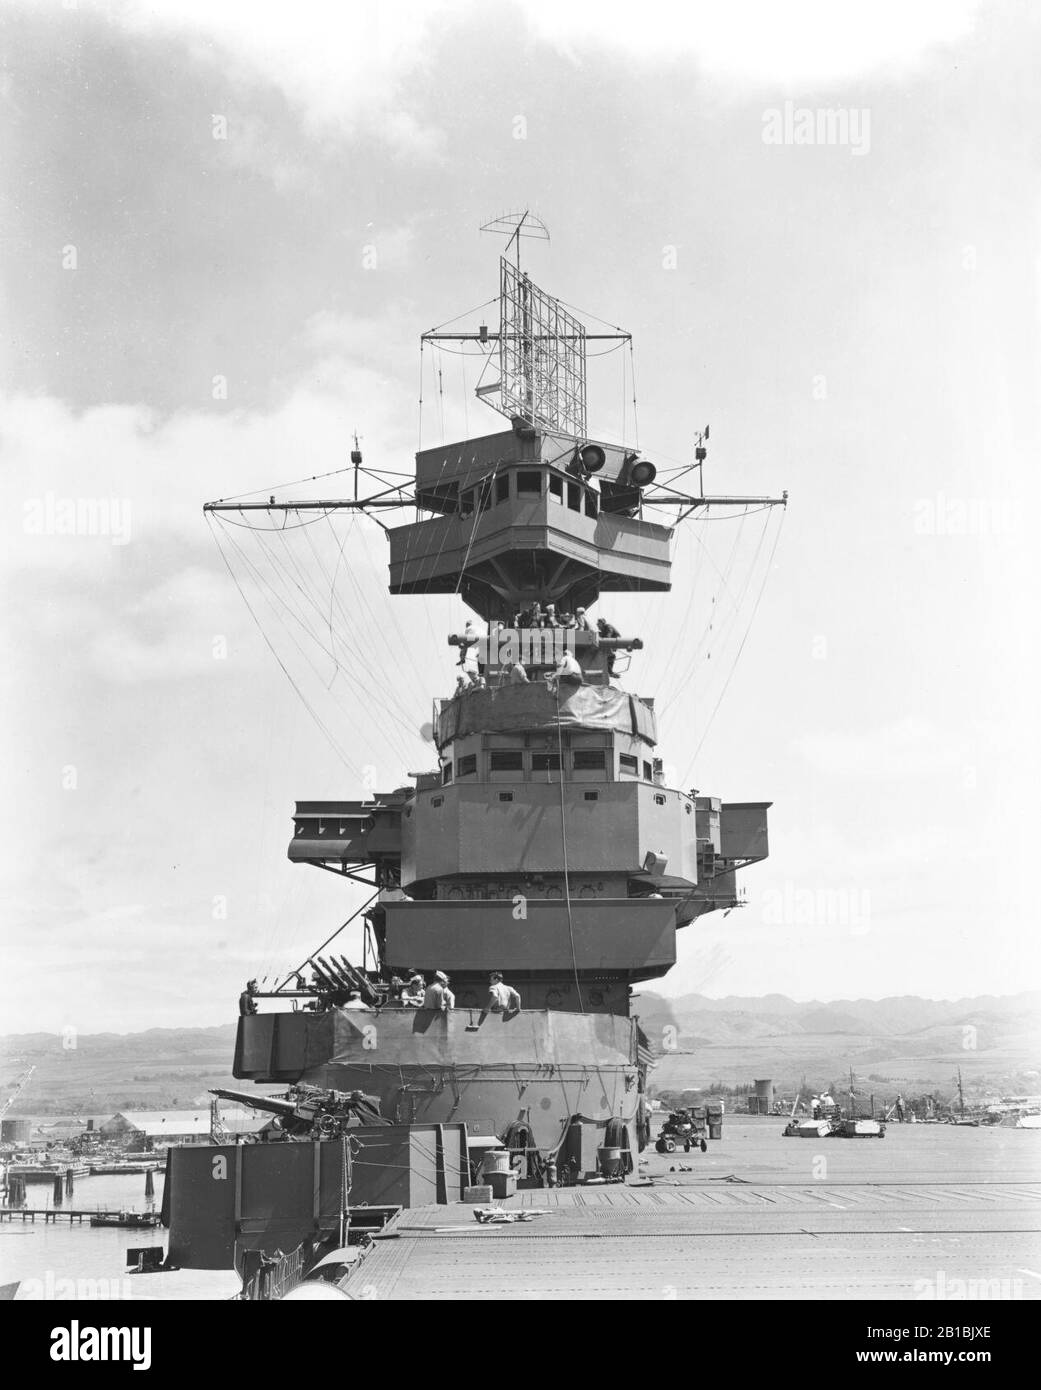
(534, 615)
(551, 616)
(247, 1003)
(415, 992)
(604, 629)
(469, 639)
(463, 683)
(437, 993)
(567, 669)
(502, 998)
(518, 675)
(356, 1003)
(581, 621)
(566, 619)
(900, 1109)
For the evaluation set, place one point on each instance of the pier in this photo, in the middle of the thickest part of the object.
(56, 1214)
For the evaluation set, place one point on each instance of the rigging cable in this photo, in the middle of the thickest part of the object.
(313, 713)
(737, 658)
(484, 488)
(636, 418)
(278, 599)
(308, 959)
(402, 716)
(678, 684)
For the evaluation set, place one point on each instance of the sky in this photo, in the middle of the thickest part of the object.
(225, 228)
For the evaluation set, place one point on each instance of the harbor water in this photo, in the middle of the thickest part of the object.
(52, 1260)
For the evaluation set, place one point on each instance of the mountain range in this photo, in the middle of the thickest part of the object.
(898, 1043)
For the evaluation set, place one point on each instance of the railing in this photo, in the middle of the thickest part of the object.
(273, 1275)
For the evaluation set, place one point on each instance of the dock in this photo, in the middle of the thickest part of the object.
(52, 1215)
(929, 1212)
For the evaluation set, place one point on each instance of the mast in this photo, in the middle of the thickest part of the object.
(533, 515)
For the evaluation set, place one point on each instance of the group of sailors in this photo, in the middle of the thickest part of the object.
(537, 616)
(567, 670)
(471, 675)
(416, 992)
(413, 992)
(822, 1105)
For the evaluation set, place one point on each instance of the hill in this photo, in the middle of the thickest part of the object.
(898, 1043)
(160, 1068)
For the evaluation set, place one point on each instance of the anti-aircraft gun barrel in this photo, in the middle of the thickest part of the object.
(275, 1104)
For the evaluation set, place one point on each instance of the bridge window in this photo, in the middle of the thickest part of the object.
(647, 775)
(556, 488)
(446, 774)
(506, 796)
(437, 801)
(466, 767)
(502, 489)
(591, 796)
(545, 762)
(466, 504)
(574, 497)
(589, 760)
(529, 481)
(506, 761)
(590, 503)
(629, 764)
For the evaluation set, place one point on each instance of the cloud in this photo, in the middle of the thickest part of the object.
(351, 67)
(763, 43)
(342, 67)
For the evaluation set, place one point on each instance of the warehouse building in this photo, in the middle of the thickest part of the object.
(140, 1130)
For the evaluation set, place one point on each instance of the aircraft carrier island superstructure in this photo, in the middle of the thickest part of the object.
(545, 845)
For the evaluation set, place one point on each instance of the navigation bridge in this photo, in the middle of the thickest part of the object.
(521, 519)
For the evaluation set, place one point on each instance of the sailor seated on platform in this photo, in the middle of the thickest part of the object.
(567, 671)
(355, 1002)
(469, 639)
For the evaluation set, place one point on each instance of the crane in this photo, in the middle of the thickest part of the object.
(19, 1087)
